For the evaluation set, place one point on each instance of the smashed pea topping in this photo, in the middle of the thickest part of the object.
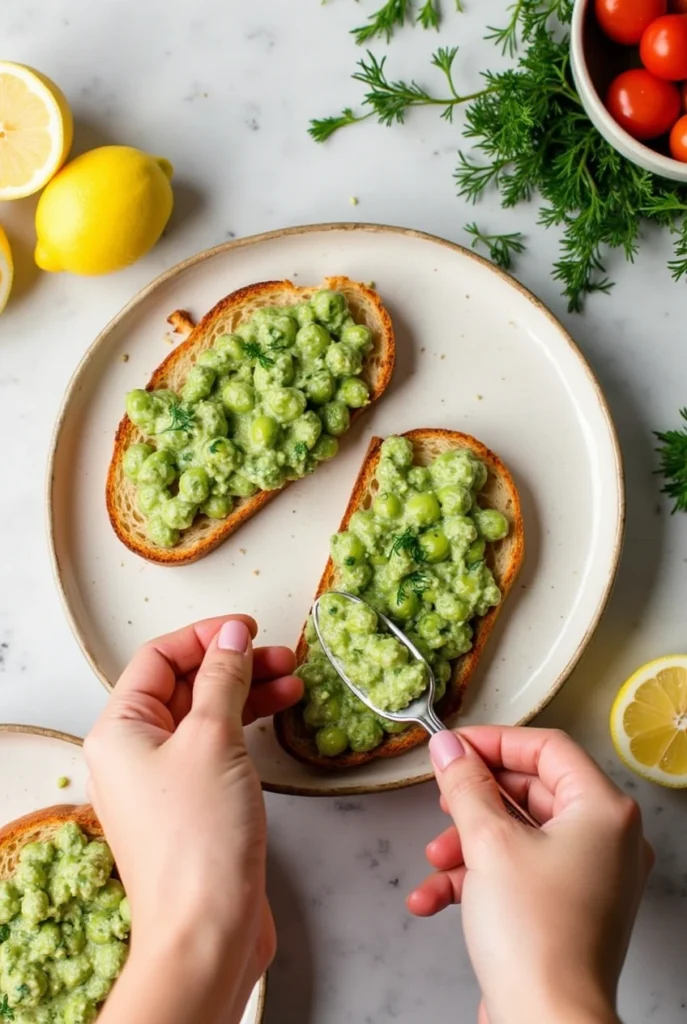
(260, 407)
(64, 930)
(419, 556)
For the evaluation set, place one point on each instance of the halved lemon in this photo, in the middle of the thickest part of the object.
(649, 721)
(36, 130)
(6, 270)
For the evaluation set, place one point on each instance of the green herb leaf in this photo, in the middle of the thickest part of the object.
(256, 352)
(4, 932)
(500, 247)
(673, 452)
(300, 450)
(180, 418)
(349, 560)
(428, 15)
(417, 582)
(216, 446)
(384, 21)
(6, 1010)
(408, 541)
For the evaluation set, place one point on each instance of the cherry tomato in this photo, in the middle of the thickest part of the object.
(678, 139)
(663, 48)
(643, 105)
(624, 21)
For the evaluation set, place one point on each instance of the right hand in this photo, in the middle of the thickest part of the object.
(547, 913)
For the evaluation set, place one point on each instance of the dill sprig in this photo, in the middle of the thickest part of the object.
(673, 453)
(501, 248)
(394, 14)
(408, 541)
(6, 1010)
(300, 450)
(532, 138)
(179, 417)
(417, 582)
(256, 352)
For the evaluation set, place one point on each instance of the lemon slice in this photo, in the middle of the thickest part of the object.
(36, 130)
(6, 270)
(649, 721)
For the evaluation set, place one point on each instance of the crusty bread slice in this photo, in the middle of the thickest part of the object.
(206, 534)
(505, 559)
(39, 827)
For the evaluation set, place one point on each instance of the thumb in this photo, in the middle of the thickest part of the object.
(222, 683)
(468, 787)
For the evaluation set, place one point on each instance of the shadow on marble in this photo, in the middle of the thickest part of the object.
(18, 222)
(290, 980)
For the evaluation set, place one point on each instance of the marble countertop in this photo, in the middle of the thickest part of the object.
(224, 89)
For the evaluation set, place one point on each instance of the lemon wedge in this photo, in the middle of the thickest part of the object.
(649, 721)
(36, 130)
(6, 270)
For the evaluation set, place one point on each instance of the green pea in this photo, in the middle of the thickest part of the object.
(346, 549)
(387, 506)
(287, 404)
(231, 345)
(318, 715)
(332, 741)
(398, 451)
(343, 361)
(430, 627)
(423, 509)
(279, 372)
(278, 331)
(199, 383)
(319, 387)
(336, 418)
(435, 545)
(313, 340)
(325, 449)
(307, 429)
(451, 607)
(357, 336)
(238, 396)
(491, 524)
(177, 513)
(213, 359)
(158, 469)
(455, 500)
(365, 735)
(353, 392)
(134, 457)
(217, 506)
(194, 485)
(160, 533)
(475, 553)
(264, 431)
(330, 308)
(481, 474)
(241, 486)
(403, 603)
(304, 314)
(141, 408)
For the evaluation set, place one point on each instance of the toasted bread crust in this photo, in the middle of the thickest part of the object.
(508, 555)
(205, 534)
(40, 826)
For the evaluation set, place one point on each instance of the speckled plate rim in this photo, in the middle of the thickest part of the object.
(76, 741)
(352, 226)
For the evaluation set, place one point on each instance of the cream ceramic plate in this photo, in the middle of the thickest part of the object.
(32, 761)
(476, 352)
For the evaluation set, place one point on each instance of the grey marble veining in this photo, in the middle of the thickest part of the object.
(225, 89)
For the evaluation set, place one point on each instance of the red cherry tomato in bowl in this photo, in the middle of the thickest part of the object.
(663, 47)
(678, 140)
(645, 106)
(624, 21)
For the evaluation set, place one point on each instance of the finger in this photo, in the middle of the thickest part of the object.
(181, 700)
(563, 767)
(223, 680)
(272, 662)
(446, 851)
(528, 791)
(470, 791)
(268, 698)
(437, 892)
(155, 667)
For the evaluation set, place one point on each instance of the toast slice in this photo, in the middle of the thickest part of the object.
(205, 534)
(39, 827)
(505, 560)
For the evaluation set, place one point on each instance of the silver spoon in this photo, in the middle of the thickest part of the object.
(420, 710)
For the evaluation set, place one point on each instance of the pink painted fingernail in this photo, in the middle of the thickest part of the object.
(234, 636)
(445, 748)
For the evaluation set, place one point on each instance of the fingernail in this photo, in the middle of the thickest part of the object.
(445, 748)
(234, 636)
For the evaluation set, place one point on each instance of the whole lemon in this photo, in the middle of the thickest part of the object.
(103, 211)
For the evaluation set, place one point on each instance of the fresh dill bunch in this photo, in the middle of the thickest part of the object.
(394, 14)
(673, 454)
(501, 248)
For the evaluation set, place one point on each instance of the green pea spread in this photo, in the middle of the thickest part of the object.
(261, 406)
(64, 926)
(417, 555)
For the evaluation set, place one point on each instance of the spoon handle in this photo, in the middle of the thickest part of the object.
(433, 724)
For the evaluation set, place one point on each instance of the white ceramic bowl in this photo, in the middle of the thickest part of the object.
(594, 66)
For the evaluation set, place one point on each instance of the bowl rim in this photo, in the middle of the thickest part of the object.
(620, 139)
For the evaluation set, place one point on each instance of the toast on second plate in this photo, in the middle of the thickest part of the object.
(504, 559)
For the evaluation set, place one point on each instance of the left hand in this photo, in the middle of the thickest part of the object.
(181, 805)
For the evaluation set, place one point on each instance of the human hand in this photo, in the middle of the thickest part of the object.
(547, 913)
(182, 807)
